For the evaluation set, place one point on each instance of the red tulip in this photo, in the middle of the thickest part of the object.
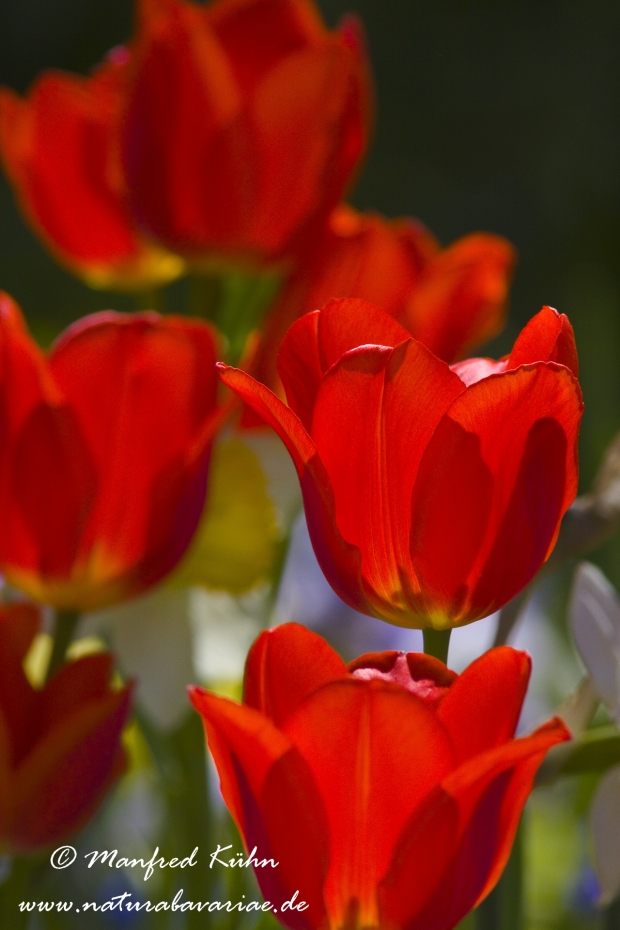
(60, 148)
(431, 497)
(245, 121)
(105, 453)
(450, 299)
(61, 746)
(388, 792)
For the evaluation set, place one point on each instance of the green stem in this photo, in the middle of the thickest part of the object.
(151, 298)
(436, 643)
(19, 886)
(66, 622)
(182, 762)
(611, 916)
(194, 809)
(502, 909)
(205, 295)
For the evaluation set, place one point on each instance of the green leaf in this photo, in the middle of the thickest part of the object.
(596, 751)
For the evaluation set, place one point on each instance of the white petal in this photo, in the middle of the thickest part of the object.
(152, 638)
(605, 826)
(579, 707)
(224, 629)
(594, 615)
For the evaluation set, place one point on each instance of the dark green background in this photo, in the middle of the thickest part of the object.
(501, 116)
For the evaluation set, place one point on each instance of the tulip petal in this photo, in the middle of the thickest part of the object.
(356, 255)
(51, 504)
(471, 370)
(137, 357)
(315, 342)
(23, 372)
(481, 709)
(458, 840)
(460, 299)
(420, 674)
(284, 666)
(241, 740)
(358, 739)
(450, 508)
(267, 786)
(543, 489)
(345, 324)
(62, 781)
(594, 617)
(548, 337)
(523, 426)
(300, 366)
(304, 100)
(375, 412)
(75, 684)
(339, 560)
(289, 796)
(275, 414)
(604, 819)
(168, 156)
(58, 148)
(284, 26)
(226, 183)
(19, 624)
(141, 432)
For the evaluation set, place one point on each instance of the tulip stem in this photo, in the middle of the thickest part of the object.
(502, 909)
(205, 295)
(22, 882)
(611, 915)
(436, 643)
(151, 298)
(181, 758)
(66, 622)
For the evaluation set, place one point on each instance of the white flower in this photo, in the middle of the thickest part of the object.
(152, 637)
(594, 616)
(605, 827)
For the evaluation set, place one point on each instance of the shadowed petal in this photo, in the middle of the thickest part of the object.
(458, 840)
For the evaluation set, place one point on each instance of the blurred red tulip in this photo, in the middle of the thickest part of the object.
(224, 132)
(245, 121)
(61, 747)
(432, 495)
(388, 792)
(105, 453)
(451, 299)
(60, 150)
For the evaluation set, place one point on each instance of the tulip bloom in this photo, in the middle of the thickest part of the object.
(60, 150)
(224, 131)
(61, 746)
(432, 495)
(451, 299)
(388, 792)
(105, 453)
(245, 121)
(594, 619)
